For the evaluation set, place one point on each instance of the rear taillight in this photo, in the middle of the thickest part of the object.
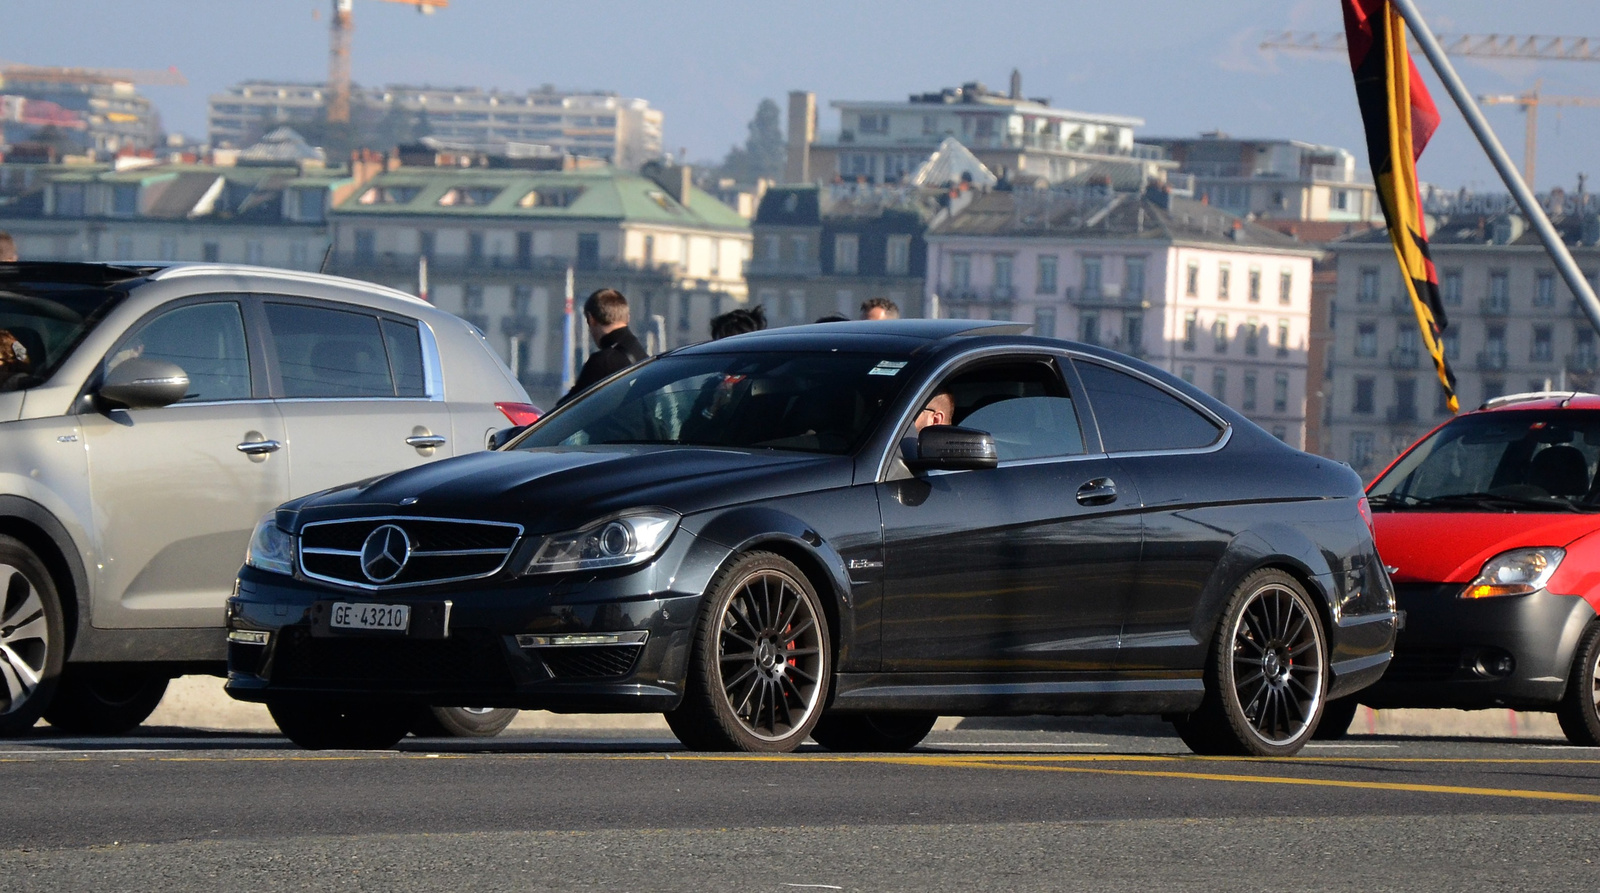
(520, 414)
(1365, 508)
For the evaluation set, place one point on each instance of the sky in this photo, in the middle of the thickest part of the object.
(1184, 66)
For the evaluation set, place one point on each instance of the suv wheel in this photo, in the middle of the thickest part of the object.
(33, 638)
(105, 700)
(461, 722)
(1579, 711)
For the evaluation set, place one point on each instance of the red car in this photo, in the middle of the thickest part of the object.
(1490, 527)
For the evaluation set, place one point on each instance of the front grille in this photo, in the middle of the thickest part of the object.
(442, 550)
(468, 659)
(590, 661)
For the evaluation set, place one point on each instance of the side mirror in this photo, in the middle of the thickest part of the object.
(952, 448)
(498, 439)
(139, 383)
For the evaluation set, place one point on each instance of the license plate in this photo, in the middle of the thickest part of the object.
(394, 618)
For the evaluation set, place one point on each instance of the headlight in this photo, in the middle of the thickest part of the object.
(1517, 572)
(270, 548)
(614, 541)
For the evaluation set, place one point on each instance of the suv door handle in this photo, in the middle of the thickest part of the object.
(259, 447)
(1100, 491)
(425, 441)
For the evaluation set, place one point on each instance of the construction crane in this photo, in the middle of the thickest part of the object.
(342, 25)
(1498, 46)
(1530, 102)
(17, 73)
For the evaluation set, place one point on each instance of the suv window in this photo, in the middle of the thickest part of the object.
(205, 340)
(1539, 458)
(323, 352)
(40, 325)
(1136, 416)
(405, 358)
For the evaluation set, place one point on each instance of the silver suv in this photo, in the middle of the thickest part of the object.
(150, 415)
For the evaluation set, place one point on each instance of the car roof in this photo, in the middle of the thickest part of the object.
(1542, 400)
(889, 335)
(107, 274)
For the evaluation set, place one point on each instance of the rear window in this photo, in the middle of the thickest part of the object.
(1136, 416)
(42, 323)
(326, 353)
(1536, 460)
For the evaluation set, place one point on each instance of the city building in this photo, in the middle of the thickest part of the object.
(1514, 326)
(77, 114)
(1206, 295)
(499, 243)
(885, 141)
(623, 131)
(1275, 179)
(820, 250)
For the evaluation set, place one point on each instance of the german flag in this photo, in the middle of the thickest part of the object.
(1400, 117)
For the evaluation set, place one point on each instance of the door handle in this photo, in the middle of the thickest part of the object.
(425, 441)
(1100, 491)
(259, 447)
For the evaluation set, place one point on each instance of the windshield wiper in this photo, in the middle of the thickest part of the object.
(1391, 500)
(1501, 502)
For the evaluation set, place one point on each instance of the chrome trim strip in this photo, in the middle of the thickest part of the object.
(372, 587)
(585, 640)
(432, 366)
(443, 553)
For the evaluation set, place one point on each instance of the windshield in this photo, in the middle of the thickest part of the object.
(40, 325)
(810, 402)
(1533, 460)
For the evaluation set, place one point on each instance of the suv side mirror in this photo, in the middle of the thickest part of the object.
(952, 448)
(139, 383)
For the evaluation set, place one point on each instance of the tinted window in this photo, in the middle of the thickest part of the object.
(329, 353)
(1531, 456)
(1135, 415)
(405, 358)
(41, 323)
(811, 402)
(1024, 406)
(206, 340)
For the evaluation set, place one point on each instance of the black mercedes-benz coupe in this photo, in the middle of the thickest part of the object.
(838, 531)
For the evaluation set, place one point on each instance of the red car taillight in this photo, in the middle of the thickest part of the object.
(520, 414)
(1365, 508)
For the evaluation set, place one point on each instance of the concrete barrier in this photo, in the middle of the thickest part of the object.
(198, 702)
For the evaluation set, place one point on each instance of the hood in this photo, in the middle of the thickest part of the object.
(1451, 547)
(557, 489)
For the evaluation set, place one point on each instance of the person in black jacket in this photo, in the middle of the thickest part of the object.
(606, 312)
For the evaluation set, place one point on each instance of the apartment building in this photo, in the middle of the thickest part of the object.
(1277, 179)
(883, 142)
(624, 131)
(1208, 296)
(1514, 326)
(96, 117)
(499, 242)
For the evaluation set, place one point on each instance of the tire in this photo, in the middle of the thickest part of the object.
(318, 726)
(33, 637)
(1266, 676)
(461, 722)
(872, 732)
(104, 700)
(1336, 719)
(762, 660)
(1579, 711)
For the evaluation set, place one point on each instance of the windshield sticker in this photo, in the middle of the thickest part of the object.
(887, 367)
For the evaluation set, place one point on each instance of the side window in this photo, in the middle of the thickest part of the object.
(1023, 405)
(405, 358)
(206, 340)
(329, 353)
(1136, 416)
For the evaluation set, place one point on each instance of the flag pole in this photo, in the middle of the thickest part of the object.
(1502, 162)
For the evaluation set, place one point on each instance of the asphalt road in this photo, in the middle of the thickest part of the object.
(1006, 805)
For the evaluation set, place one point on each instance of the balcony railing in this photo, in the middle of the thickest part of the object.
(1039, 142)
(1402, 358)
(758, 267)
(1401, 413)
(523, 326)
(1491, 360)
(1582, 361)
(1495, 306)
(1401, 305)
(394, 262)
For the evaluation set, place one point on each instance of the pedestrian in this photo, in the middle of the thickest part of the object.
(879, 308)
(738, 321)
(606, 312)
(8, 248)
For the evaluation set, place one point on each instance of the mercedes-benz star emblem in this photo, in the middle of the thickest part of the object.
(385, 553)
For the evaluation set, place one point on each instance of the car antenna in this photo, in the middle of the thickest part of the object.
(1570, 398)
(326, 256)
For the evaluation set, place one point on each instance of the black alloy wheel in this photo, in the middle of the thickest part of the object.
(872, 732)
(762, 661)
(324, 726)
(1579, 711)
(33, 637)
(1267, 675)
(105, 699)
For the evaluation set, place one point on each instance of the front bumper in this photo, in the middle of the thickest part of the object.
(462, 647)
(1511, 651)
